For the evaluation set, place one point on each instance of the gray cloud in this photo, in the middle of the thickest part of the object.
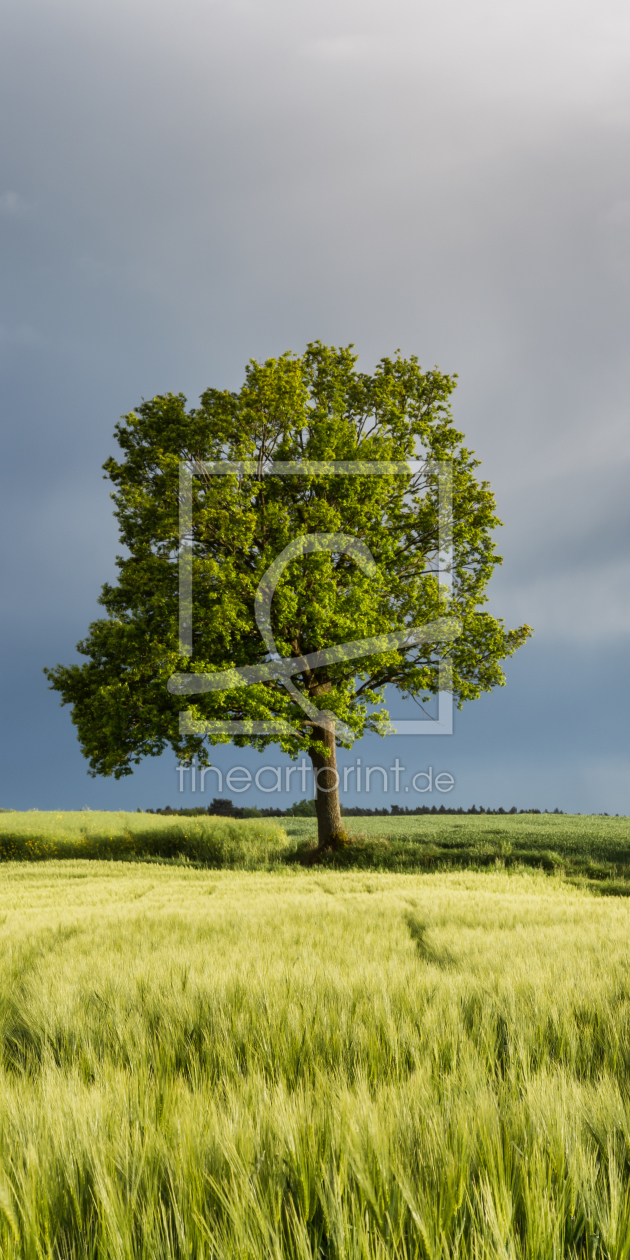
(188, 186)
(13, 206)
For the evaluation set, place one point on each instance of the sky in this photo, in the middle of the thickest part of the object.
(187, 186)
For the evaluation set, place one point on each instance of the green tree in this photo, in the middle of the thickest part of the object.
(358, 561)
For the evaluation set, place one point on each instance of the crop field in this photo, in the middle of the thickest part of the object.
(594, 849)
(298, 1062)
(37, 836)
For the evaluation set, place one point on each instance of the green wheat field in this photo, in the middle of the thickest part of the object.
(221, 1052)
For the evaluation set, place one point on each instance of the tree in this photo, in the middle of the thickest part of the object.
(293, 565)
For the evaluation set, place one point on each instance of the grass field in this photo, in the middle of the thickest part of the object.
(594, 849)
(593, 846)
(311, 1063)
(42, 835)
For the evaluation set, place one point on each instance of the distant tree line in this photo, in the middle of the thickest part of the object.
(306, 809)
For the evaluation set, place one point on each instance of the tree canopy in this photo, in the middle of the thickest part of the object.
(360, 561)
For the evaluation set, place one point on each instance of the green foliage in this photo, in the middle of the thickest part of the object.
(311, 407)
(303, 809)
(214, 1064)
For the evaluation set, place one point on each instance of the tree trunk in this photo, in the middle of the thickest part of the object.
(330, 829)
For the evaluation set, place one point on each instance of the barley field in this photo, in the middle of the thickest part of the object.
(311, 1063)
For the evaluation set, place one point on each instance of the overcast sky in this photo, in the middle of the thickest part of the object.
(186, 186)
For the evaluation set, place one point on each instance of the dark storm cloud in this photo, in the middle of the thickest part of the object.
(185, 186)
